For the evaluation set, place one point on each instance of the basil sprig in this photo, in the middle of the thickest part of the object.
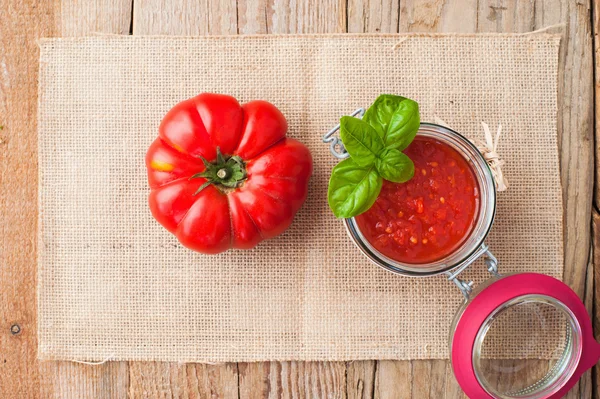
(375, 145)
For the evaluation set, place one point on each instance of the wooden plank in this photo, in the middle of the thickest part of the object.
(585, 383)
(280, 17)
(506, 16)
(162, 379)
(434, 378)
(177, 380)
(308, 16)
(68, 379)
(184, 17)
(596, 31)
(80, 18)
(63, 380)
(438, 16)
(22, 23)
(575, 131)
(575, 122)
(595, 375)
(254, 16)
(429, 378)
(393, 380)
(360, 379)
(452, 389)
(373, 16)
(596, 289)
(292, 380)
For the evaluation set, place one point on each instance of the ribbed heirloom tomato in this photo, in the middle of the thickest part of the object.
(224, 175)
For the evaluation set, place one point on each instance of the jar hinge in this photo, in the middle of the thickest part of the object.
(491, 263)
(335, 143)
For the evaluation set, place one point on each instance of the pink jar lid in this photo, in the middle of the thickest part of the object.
(584, 351)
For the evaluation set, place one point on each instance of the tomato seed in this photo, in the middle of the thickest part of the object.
(407, 221)
(420, 206)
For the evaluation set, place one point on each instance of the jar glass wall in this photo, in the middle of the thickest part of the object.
(483, 221)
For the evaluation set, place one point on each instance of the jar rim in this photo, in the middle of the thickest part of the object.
(557, 376)
(484, 219)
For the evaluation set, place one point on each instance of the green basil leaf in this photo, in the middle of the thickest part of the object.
(396, 119)
(360, 140)
(353, 189)
(395, 166)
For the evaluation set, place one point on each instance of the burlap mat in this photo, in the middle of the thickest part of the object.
(114, 284)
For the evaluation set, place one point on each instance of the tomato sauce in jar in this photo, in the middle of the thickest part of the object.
(430, 216)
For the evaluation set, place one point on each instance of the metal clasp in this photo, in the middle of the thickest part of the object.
(491, 263)
(336, 146)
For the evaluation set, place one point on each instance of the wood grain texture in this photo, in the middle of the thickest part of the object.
(80, 18)
(184, 17)
(586, 386)
(306, 16)
(575, 140)
(62, 380)
(575, 77)
(22, 376)
(393, 380)
(68, 379)
(429, 378)
(292, 380)
(22, 23)
(596, 40)
(596, 292)
(506, 15)
(254, 16)
(373, 16)
(162, 379)
(360, 379)
(176, 380)
(576, 135)
(451, 388)
(438, 16)
(189, 17)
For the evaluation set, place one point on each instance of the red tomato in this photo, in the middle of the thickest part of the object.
(225, 176)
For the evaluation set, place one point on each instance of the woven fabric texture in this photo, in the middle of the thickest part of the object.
(112, 283)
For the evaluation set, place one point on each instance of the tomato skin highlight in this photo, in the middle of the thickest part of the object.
(431, 215)
(206, 227)
(259, 205)
(263, 126)
(165, 164)
(283, 171)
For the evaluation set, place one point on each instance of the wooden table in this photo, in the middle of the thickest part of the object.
(23, 21)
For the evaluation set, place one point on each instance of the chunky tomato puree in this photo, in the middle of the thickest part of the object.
(428, 217)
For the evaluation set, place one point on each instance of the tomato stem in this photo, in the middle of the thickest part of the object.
(223, 173)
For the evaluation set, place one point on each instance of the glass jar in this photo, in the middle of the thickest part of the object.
(551, 339)
(473, 247)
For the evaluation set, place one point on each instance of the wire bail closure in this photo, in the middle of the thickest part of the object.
(337, 149)
(491, 263)
(335, 143)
